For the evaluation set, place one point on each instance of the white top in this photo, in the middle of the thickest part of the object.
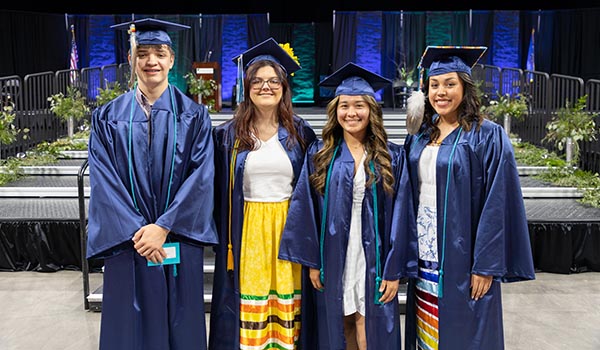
(427, 212)
(355, 265)
(268, 173)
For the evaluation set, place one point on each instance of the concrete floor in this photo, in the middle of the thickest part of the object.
(44, 311)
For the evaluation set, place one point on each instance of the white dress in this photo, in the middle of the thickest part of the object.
(355, 265)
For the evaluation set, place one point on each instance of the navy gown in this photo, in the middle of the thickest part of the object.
(169, 183)
(481, 205)
(300, 243)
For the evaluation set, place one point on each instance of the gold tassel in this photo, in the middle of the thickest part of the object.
(231, 184)
(229, 257)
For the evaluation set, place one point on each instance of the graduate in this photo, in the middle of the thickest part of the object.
(151, 202)
(471, 220)
(258, 299)
(350, 219)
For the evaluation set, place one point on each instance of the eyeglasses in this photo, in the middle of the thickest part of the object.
(273, 83)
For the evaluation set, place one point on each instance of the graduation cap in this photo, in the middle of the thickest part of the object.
(445, 59)
(151, 31)
(267, 50)
(353, 79)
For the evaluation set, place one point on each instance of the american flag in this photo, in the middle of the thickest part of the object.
(74, 59)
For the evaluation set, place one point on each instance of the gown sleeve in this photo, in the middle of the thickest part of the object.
(300, 238)
(502, 243)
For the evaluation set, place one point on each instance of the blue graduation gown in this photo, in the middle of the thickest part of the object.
(486, 233)
(151, 307)
(225, 306)
(300, 243)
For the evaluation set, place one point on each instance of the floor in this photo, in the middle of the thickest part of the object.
(44, 311)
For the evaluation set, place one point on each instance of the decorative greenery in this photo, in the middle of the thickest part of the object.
(72, 105)
(515, 107)
(8, 130)
(111, 92)
(528, 154)
(404, 76)
(45, 153)
(204, 88)
(559, 172)
(571, 122)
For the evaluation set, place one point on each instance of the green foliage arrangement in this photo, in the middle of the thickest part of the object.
(515, 107)
(45, 153)
(571, 122)
(203, 88)
(73, 105)
(8, 130)
(559, 172)
(108, 94)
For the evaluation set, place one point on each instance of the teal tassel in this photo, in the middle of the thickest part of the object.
(378, 294)
(441, 284)
(175, 270)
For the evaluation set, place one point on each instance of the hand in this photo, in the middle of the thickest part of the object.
(315, 278)
(389, 290)
(148, 242)
(480, 285)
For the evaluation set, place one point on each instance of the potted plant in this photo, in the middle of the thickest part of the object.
(569, 126)
(506, 108)
(8, 130)
(204, 89)
(70, 107)
(403, 84)
(112, 91)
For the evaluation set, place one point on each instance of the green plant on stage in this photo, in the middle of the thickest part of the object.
(203, 88)
(559, 173)
(71, 107)
(515, 107)
(108, 94)
(8, 130)
(571, 123)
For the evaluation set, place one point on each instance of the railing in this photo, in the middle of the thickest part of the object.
(545, 95)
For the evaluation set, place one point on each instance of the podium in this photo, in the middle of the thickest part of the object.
(209, 70)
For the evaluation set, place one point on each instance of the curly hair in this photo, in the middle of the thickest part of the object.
(468, 110)
(375, 145)
(243, 117)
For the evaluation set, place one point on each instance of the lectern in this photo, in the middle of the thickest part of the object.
(209, 70)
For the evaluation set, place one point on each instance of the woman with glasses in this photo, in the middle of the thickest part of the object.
(258, 155)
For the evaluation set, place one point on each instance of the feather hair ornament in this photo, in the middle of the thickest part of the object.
(415, 109)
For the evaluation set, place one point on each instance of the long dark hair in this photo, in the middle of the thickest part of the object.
(468, 110)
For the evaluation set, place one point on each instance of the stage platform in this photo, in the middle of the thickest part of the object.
(42, 216)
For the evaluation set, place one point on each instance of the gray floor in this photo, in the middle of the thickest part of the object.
(44, 311)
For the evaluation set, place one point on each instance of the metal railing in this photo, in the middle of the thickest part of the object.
(545, 95)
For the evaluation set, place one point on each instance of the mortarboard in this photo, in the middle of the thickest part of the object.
(353, 79)
(151, 31)
(446, 59)
(268, 50)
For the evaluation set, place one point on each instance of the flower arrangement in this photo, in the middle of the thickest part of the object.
(203, 88)
(515, 107)
(290, 51)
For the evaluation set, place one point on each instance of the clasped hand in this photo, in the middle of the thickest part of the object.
(148, 242)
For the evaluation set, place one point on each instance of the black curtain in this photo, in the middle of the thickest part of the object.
(33, 43)
(344, 39)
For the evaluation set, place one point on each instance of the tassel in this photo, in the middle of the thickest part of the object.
(415, 109)
(229, 257)
(175, 270)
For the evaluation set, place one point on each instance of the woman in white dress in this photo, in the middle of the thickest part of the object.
(348, 220)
